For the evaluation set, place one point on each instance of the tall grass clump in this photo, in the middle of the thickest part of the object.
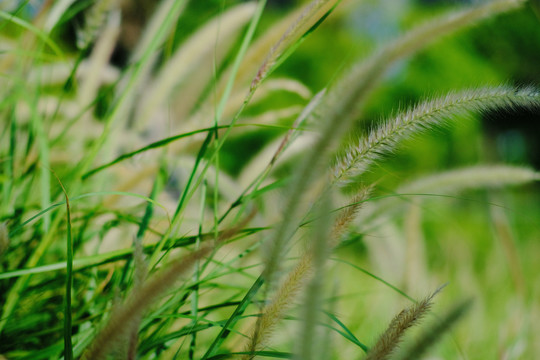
(172, 188)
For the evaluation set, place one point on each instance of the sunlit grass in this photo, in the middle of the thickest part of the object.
(123, 233)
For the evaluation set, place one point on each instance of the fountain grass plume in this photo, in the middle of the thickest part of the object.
(390, 339)
(484, 176)
(289, 290)
(338, 113)
(94, 22)
(431, 334)
(315, 159)
(140, 271)
(101, 119)
(437, 112)
(448, 183)
(278, 306)
(309, 17)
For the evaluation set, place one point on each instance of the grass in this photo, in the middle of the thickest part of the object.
(125, 234)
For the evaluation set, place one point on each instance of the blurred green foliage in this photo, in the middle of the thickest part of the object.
(502, 50)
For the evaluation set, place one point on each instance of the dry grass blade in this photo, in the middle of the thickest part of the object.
(189, 57)
(308, 345)
(4, 238)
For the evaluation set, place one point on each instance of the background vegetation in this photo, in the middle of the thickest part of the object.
(148, 210)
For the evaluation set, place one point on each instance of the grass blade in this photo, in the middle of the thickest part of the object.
(347, 334)
(68, 346)
(238, 312)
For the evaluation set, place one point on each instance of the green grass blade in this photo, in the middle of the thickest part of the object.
(176, 217)
(40, 34)
(76, 198)
(166, 141)
(17, 289)
(68, 346)
(347, 334)
(109, 257)
(224, 333)
(375, 277)
(268, 354)
(154, 145)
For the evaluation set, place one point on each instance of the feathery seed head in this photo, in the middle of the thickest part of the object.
(95, 19)
(391, 338)
(432, 113)
(434, 332)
